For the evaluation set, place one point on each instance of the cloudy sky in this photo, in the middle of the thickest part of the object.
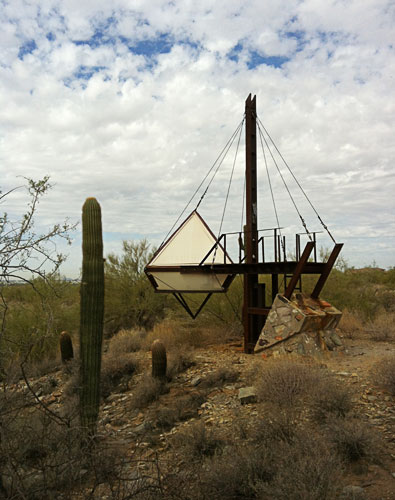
(131, 101)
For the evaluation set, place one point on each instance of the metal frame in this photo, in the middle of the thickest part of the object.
(255, 310)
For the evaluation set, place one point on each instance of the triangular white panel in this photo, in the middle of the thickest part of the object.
(189, 244)
(192, 241)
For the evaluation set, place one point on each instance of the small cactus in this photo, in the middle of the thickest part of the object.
(66, 347)
(91, 314)
(159, 359)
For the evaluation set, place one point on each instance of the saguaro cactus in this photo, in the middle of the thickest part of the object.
(159, 359)
(91, 314)
(66, 347)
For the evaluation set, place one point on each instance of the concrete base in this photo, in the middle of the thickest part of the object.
(310, 323)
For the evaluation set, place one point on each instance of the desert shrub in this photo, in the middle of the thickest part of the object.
(221, 315)
(354, 439)
(197, 441)
(147, 390)
(330, 398)
(42, 459)
(350, 324)
(188, 404)
(176, 334)
(183, 408)
(305, 470)
(179, 361)
(41, 367)
(363, 291)
(220, 377)
(35, 317)
(235, 474)
(382, 327)
(116, 371)
(126, 341)
(130, 298)
(277, 424)
(71, 376)
(286, 382)
(165, 418)
(384, 374)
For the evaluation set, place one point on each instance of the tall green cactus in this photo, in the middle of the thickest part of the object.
(91, 314)
(66, 347)
(159, 359)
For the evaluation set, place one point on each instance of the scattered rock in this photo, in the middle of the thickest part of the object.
(352, 492)
(247, 395)
(142, 428)
(196, 381)
(336, 339)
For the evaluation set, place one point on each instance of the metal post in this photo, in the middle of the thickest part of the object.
(251, 299)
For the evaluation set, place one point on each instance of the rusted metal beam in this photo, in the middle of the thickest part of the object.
(326, 271)
(259, 311)
(251, 297)
(299, 269)
(259, 268)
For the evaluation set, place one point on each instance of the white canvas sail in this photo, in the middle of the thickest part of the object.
(188, 246)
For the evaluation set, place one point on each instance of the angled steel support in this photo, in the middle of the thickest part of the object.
(326, 271)
(185, 305)
(299, 269)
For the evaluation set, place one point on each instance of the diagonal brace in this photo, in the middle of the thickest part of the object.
(326, 271)
(299, 269)
(185, 305)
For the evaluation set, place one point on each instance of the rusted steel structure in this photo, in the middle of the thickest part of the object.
(253, 263)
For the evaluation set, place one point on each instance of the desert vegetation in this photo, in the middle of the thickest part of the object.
(313, 429)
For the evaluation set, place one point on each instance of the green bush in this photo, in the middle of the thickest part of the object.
(36, 315)
(130, 300)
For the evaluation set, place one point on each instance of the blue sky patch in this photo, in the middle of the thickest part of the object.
(257, 59)
(160, 45)
(101, 35)
(27, 48)
(299, 36)
(234, 54)
(86, 72)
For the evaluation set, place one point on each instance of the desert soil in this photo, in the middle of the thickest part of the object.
(354, 365)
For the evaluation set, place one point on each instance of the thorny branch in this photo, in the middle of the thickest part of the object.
(23, 252)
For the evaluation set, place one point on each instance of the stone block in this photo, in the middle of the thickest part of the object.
(288, 318)
(247, 395)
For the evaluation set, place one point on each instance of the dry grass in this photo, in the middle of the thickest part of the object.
(42, 459)
(382, 328)
(126, 341)
(354, 440)
(351, 324)
(175, 334)
(384, 374)
(183, 408)
(148, 389)
(116, 372)
(179, 361)
(307, 469)
(330, 398)
(224, 375)
(286, 382)
(275, 425)
(198, 441)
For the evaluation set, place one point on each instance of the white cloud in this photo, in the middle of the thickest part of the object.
(139, 130)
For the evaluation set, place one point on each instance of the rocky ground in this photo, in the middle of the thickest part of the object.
(193, 397)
